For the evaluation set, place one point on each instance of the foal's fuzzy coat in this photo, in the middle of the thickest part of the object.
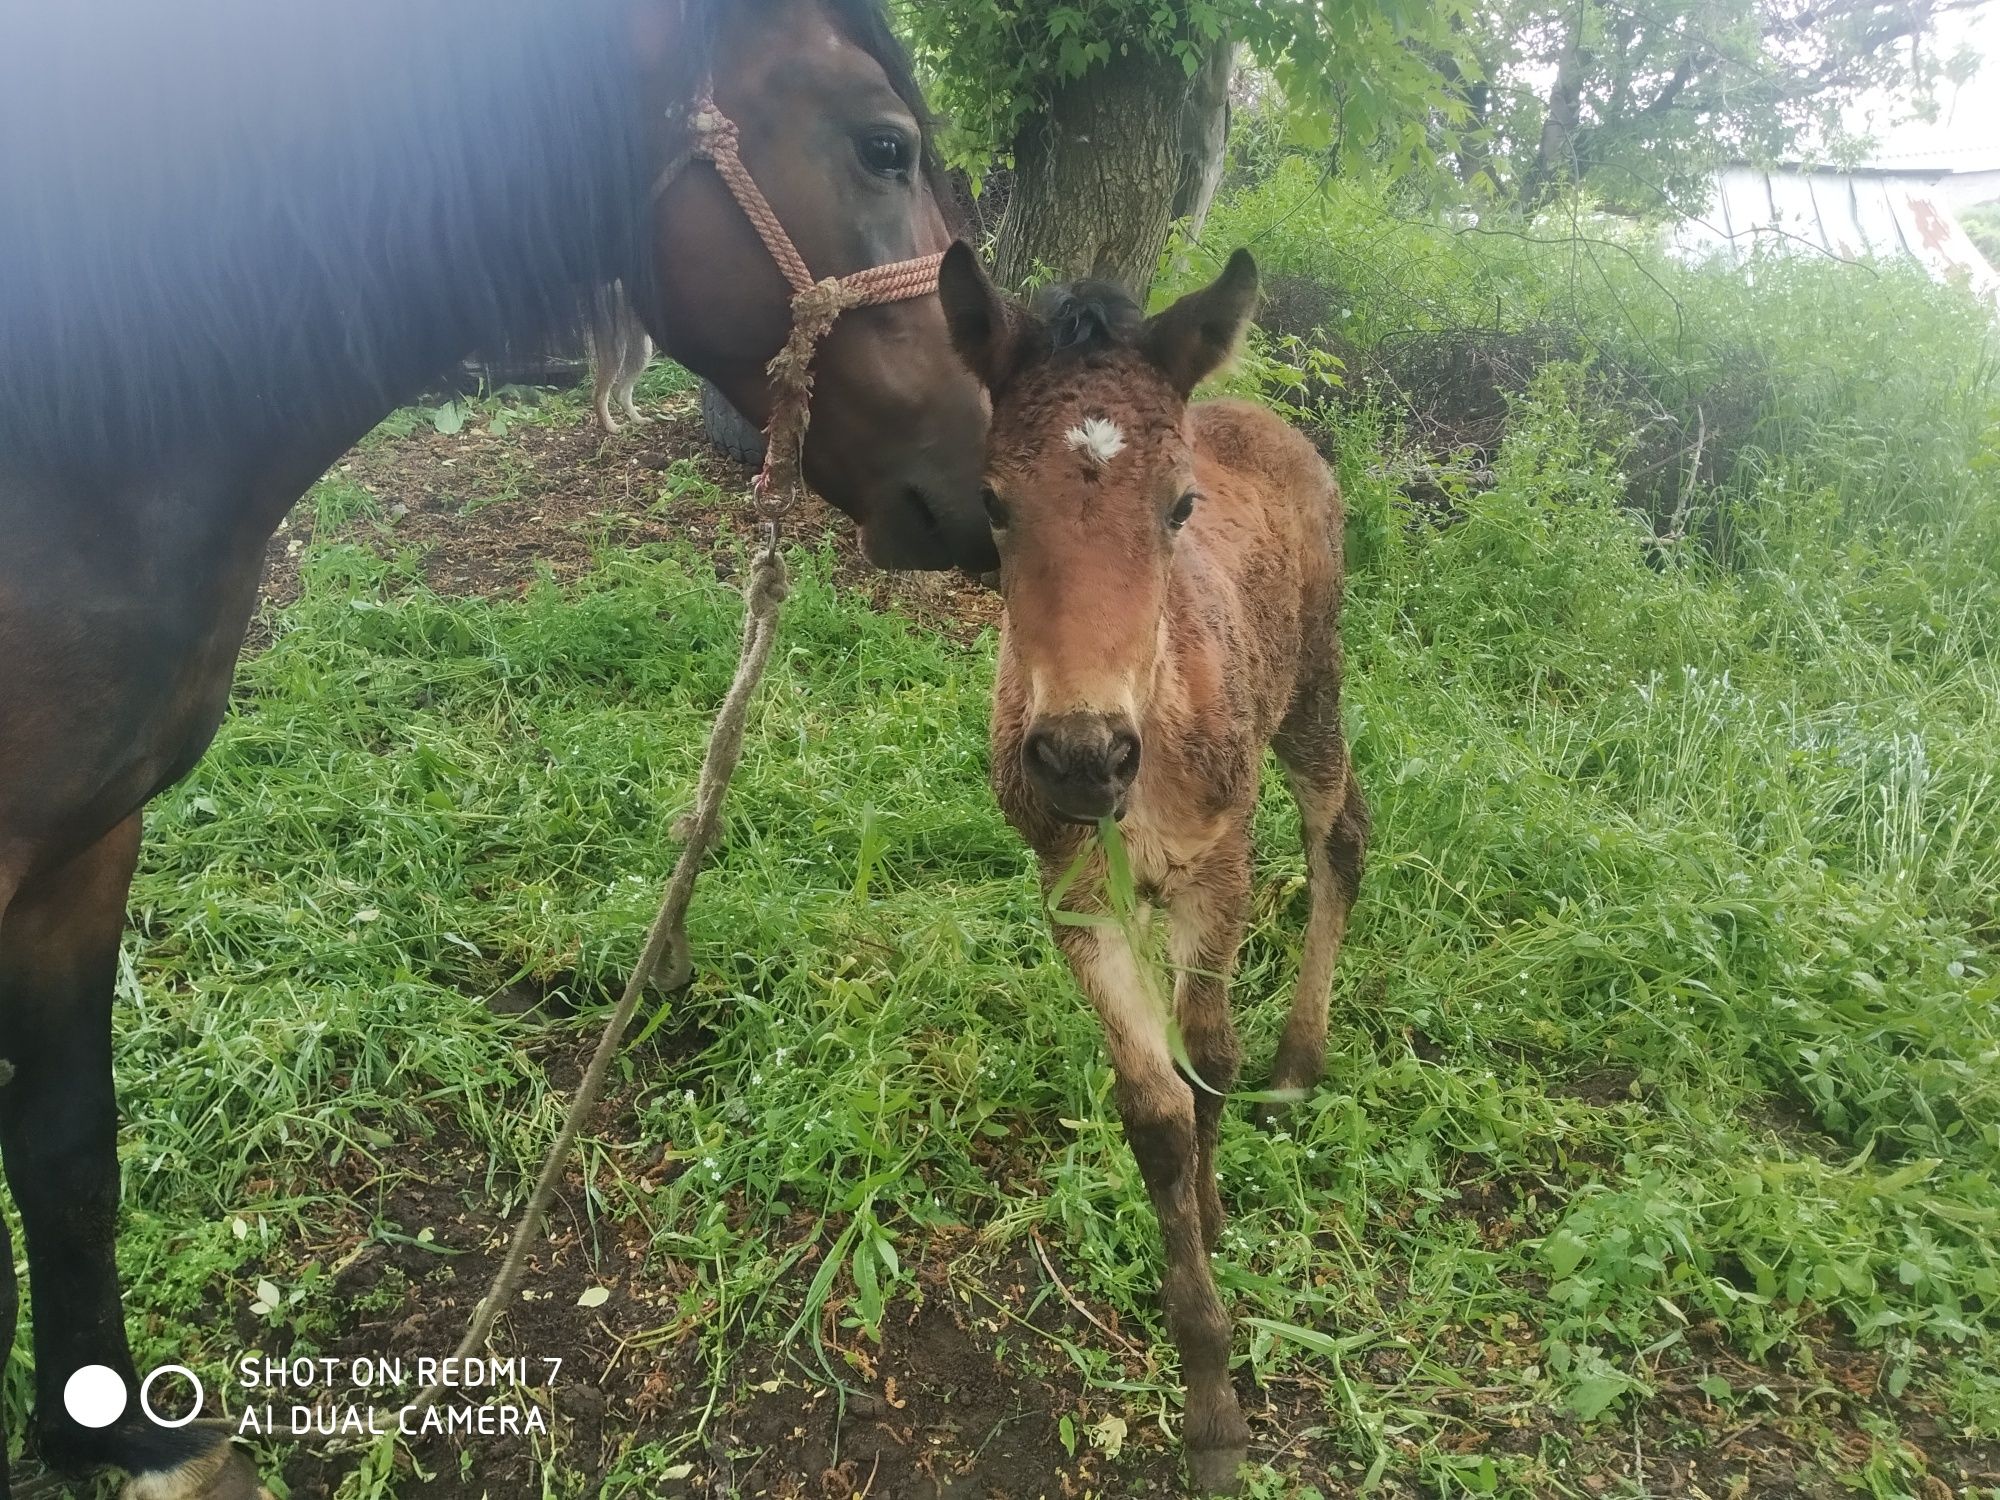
(1172, 577)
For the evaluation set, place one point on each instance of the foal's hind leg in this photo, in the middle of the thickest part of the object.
(58, 1127)
(1334, 818)
(638, 353)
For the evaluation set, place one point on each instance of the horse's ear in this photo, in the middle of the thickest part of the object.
(986, 328)
(1192, 338)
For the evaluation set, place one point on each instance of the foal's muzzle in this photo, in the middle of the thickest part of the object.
(1082, 765)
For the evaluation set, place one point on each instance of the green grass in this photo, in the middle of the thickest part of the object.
(1669, 1022)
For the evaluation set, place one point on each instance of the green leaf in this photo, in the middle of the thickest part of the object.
(1591, 1396)
(1311, 1338)
(1565, 1250)
(867, 1290)
(1054, 899)
(1904, 1176)
(1082, 919)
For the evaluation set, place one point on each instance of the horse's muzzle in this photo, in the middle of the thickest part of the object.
(1082, 765)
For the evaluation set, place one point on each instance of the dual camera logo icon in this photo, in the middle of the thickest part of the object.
(95, 1396)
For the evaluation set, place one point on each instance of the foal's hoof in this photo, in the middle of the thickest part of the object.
(1214, 1470)
(221, 1474)
(1281, 1099)
(1270, 1116)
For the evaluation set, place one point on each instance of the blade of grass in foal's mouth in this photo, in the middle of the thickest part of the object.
(1121, 893)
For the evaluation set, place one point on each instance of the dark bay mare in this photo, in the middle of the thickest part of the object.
(233, 235)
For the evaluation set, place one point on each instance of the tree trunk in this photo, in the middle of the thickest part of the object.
(1204, 137)
(1095, 176)
(1556, 156)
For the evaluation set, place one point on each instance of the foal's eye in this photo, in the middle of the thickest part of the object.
(887, 153)
(996, 508)
(1183, 508)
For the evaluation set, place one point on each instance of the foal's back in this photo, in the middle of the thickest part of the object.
(1261, 562)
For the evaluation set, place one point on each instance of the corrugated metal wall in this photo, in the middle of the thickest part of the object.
(1848, 214)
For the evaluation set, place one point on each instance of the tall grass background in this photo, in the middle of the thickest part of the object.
(1669, 1022)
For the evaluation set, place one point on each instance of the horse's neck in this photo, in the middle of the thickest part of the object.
(256, 280)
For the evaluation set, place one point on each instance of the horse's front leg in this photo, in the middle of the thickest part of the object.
(59, 1131)
(1158, 1110)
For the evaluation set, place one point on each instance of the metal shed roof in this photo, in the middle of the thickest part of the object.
(1888, 215)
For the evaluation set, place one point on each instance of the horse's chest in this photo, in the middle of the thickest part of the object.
(116, 642)
(1166, 852)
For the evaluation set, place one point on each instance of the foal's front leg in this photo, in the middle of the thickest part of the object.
(1158, 1109)
(1208, 913)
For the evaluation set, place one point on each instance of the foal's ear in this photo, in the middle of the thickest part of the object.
(986, 328)
(1194, 336)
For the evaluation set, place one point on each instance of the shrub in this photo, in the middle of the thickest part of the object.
(1724, 390)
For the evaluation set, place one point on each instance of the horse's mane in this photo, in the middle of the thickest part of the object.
(238, 215)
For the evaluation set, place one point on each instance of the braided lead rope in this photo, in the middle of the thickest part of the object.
(663, 959)
(717, 138)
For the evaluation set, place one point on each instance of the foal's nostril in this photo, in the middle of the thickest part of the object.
(1124, 757)
(1044, 753)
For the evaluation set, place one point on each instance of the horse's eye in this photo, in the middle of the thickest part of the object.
(887, 153)
(996, 508)
(1183, 508)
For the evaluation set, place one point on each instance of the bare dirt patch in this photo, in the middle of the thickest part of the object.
(962, 1398)
(486, 514)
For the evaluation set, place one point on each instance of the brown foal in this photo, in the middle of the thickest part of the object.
(1172, 578)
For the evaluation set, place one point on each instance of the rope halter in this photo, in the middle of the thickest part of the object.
(816, 304)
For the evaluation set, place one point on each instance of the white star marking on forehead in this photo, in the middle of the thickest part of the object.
(1097, 439)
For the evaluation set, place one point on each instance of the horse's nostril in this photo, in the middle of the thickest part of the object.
(920, 502)
(1042, 751)
(1124, 756)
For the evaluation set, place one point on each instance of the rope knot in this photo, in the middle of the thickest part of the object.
(821, 304)
(769, 585)
(708, 125)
